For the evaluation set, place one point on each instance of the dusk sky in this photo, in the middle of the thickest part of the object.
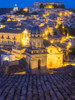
(24, 3)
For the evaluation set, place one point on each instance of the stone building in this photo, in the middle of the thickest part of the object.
(36, 54)
(12, 34)
(55, 57)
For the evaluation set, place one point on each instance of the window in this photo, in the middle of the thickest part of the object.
(50, 51)
(38, 44)
(8, 37)
(14, 42)
(14, 38)
(38, 64)
(2, 37)
(34, 44)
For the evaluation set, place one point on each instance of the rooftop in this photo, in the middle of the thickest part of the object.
(36, 87)
(13, 29)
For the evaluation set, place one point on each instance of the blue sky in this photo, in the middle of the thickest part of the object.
(24, 3)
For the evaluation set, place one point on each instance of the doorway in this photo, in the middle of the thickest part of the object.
(39, 64)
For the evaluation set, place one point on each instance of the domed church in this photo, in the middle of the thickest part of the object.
(36, 53)
(15, 8)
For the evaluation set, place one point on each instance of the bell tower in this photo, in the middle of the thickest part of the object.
(36, 54)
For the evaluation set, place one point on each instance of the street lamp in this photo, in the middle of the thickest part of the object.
(63, 27)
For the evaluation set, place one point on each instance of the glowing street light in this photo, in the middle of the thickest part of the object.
(52, 41)
(59, 49)
(25, 31)
(67, 49)
(63, 27)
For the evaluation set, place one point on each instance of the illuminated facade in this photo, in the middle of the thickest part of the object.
(55, 57)
(15, 8)
(36, 54)
(16, 36)
(48, 4)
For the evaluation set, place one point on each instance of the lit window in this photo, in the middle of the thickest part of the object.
(6, 59)
(50, 51)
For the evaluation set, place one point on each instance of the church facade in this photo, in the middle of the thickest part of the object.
(54, 57)
(36, 54)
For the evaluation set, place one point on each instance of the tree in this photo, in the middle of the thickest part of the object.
(2, 21)
(62, 6)
(55, 33)
(73, 51)
(55, 6)
(42, 6)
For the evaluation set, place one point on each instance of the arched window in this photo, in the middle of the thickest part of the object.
(14, 38)
(8, 37)
(33, 44)
(38, 45)
(14, 42)
(2, 37)
(50, 51)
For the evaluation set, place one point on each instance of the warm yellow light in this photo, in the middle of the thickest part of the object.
(8, 19)
(60, 14)
(59, 49)
(69, 43)
(25, 9)
(61, 41)
(6, 58)
(66, 14)
(41, 24)
(2, 26)
(63, 27)
(46, 38)
(52, 41)
(43, 34)
(49, 6)
(25, 31)
(70, 13)
(56, 26)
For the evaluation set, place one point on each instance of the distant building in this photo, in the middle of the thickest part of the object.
(15, 8)
(13, 34)
(48, 3)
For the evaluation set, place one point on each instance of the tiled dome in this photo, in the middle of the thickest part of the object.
(35, 30)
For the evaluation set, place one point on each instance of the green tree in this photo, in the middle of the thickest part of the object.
(42, 6)
(55, 6)
(62, 6)
(55, 33)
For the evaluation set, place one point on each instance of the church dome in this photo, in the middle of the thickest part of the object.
(35, 30)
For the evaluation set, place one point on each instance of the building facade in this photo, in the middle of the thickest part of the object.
(36, 54)
(54, 57)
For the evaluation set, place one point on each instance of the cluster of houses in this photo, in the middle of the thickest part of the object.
(33, 36)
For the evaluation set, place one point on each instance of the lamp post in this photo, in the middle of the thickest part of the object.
(63, 27)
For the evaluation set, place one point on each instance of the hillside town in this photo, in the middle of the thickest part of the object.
(37, 52)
